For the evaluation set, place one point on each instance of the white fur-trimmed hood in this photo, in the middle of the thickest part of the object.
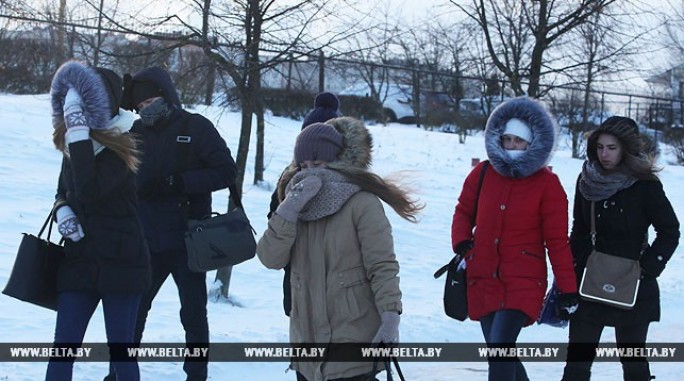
(89, 86)
(545, 132)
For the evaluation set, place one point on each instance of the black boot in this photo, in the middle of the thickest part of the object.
(571, 373)
(636, 371)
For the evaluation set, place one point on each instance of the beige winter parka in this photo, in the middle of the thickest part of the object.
(344, 273)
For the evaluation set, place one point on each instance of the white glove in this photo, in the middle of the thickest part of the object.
(388, 332)
(73, 111)
(68, 225)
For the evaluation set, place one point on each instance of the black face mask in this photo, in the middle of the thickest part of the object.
(156, 111)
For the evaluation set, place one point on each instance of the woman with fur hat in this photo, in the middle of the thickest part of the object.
(96, 212)
(619, 177)
(332, 229)
(520, 215)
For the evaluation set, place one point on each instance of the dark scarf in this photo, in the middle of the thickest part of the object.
(596, 184)
(154, 112)
(334, 193)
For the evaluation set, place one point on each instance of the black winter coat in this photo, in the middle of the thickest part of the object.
(186, 145)
(112, 256)
(622, 223)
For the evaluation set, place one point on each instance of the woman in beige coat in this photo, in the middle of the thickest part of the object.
(332, 229)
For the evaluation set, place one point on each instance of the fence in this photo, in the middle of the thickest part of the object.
(441, 94)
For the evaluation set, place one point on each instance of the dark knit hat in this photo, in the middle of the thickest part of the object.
(142, 91)
(114, 86)
(326, 107)
(318, 141)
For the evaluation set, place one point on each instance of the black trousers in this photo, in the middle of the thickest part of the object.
(362, 377)
(584, 338)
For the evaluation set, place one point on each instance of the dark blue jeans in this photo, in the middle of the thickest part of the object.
(502, 328)
(192, 290)
(74, 310)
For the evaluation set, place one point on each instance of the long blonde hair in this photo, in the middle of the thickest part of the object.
(123, 145)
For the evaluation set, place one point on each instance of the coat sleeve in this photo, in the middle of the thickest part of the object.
(377, 253)
(218, 169)
(462, 222)
(275, 245)
(60, 196)
(580, 234)
(666, 225)
(554, 224)
(95, 180)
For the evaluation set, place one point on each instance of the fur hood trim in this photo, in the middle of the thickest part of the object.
(90, 87)
(545, 132)
(358, 147)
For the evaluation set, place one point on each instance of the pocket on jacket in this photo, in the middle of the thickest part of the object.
(117, 240)
(356, 292)
(167, 216)
(296, 285)
(527, 261)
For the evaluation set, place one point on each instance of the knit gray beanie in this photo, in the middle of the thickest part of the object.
(318, 141)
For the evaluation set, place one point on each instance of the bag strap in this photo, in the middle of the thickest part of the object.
(49, 221)
(457, 257)
(593, 223)
(485, 165)
(388, 367)
(182, 160)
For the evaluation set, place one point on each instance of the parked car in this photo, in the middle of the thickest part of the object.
(396, 100)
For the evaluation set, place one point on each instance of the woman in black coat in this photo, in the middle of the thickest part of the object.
(619, 176)
(96, 212)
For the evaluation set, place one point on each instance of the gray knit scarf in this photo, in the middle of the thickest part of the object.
(596, 185)
(334, 193)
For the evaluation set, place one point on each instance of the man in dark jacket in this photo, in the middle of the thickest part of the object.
(184, 159)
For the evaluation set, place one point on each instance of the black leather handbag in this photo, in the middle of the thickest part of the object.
(455, 287)
(34, 274)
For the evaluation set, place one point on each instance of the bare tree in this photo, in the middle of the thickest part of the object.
(519, 33)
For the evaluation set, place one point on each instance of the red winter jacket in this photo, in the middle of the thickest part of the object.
(518, 221)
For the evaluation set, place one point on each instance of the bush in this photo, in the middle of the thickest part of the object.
(675, 138)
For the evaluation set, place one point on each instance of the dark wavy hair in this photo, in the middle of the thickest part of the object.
(638, 158)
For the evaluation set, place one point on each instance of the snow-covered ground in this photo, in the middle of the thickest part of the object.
(434, 162)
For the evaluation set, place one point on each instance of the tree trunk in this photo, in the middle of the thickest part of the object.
(224, 274)
(60, 57)
(211, 81)
(259, 158)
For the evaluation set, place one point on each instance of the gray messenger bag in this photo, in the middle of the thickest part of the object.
(609, 279)
(220, 240)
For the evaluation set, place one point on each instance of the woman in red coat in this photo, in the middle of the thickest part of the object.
(521, 214)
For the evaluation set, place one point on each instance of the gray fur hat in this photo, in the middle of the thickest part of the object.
(544, 130)
(89, 85)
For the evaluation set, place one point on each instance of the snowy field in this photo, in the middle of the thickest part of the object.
(436, 165)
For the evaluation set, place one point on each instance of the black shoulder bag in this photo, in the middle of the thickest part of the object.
(217, 240)
(34, 275)
(455, 288)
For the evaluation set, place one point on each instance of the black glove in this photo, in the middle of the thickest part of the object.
(652, 264)
(171, 185)
(567, 305)
(463, 247)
